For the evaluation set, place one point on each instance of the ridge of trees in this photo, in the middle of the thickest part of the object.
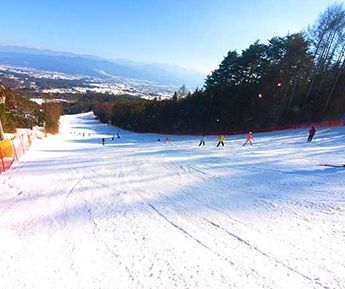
(19, 112)
(85, 102)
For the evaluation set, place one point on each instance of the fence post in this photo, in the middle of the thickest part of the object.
(21, 142)
(29, 140)
(14, 149)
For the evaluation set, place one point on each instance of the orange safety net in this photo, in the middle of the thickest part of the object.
(6, 148)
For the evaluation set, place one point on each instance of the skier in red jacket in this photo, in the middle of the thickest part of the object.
(249, 138)
(312, 132)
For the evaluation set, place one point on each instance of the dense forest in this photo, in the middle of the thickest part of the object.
(17, 111)
(298, 78)
(85, 102)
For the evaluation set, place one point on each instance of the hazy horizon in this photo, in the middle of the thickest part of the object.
(97, 56)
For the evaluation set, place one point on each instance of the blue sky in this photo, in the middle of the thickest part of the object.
(195, 34)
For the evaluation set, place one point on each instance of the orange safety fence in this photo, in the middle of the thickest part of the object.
(6, 155)
(6, 149)
(5, 164)
(14, 148)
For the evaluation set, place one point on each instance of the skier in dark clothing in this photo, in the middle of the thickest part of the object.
(312, 132)
(202, 141)
(103, 141)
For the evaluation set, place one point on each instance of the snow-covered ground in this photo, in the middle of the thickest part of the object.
(138, 213)
(40, 101)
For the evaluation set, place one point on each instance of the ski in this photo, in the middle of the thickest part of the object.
(333, 166)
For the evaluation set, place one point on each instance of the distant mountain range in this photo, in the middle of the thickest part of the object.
(94, 66)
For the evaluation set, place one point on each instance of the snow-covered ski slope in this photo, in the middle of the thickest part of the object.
(137, 213)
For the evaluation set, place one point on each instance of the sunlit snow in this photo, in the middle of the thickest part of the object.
(138, 213)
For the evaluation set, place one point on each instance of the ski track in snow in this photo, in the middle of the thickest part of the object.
(137, 213)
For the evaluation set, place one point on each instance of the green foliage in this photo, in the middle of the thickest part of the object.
(19, 112)
(8, 120)
(258, 87)
(86, 102)
(51, 115)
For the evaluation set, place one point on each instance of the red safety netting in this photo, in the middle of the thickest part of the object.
(270, 129)
(5, 164)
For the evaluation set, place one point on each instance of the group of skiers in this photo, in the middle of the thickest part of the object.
(112, 138)
(167, 140)
(221, 138)
(79, 133)
(249, 138)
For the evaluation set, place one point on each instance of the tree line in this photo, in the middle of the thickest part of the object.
(17, 111)
(83, 102)
(298, 78)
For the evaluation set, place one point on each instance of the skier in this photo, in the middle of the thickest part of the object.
(167, 140)
(159, 139)
(312, 132)
(112, 138)
(249, 138)
(221, 140)
(202, 141)
(103, 141)
(118, 134)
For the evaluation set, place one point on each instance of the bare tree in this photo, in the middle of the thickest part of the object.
(183, 91)
(327, 39)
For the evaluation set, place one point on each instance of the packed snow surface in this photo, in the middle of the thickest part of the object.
(138, 213)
